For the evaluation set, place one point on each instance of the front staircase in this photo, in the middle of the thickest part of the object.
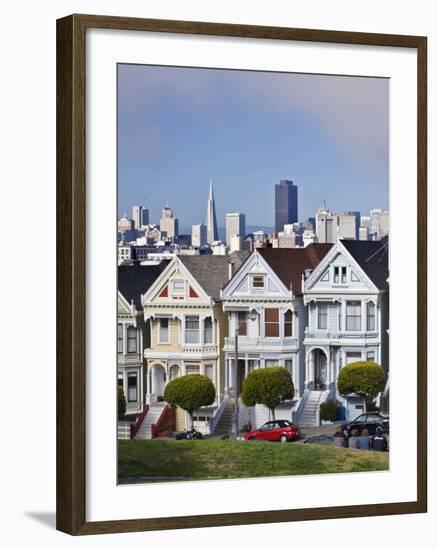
(152, 416)
(225, 423)
(307, 417)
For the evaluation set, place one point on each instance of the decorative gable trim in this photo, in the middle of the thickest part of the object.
(337, 249)
(241, 281)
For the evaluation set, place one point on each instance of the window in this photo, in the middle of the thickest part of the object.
(371, 356)
(178, 287)
(192, 329)
(322, 316)
(340, 275)
(340, 316)
(353, 356)
(120, 379)
(241, 320)
(132, 386)
(288, 323)
(209, 371)
(132, 340)
(258, 281)
(119, 338)
(272, 327)
(271, 363)
(208, 331)
(192, 369)
(354, 315)
(288, 365)
(371, 316)
(253, 364)
(163, 331)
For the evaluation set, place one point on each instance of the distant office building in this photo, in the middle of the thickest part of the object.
(219, 248)
(199, 235)
(357, 217)
(365, 221)
(379, 225)
(326, 226)
(284, 240)
(259, 239)
(363, 233)
(152, 233)
(211, 223)
(310, 223)
(140, 216)
(168, 224)
(234, 225)
(184, 241)
(286, 204)
(288, 229)
(125, 224)
(347, 226)
(125, 254)
(236, 243)
(309, 237)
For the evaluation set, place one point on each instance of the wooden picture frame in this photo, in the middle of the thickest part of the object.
(71, 273)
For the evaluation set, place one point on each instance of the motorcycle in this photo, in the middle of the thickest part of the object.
(189, 434)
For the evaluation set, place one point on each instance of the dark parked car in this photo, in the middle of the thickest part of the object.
(320, 439)
(370, 421)
(189, 434)
(275, 430)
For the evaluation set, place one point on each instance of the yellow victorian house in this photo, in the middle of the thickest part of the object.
(187, 328)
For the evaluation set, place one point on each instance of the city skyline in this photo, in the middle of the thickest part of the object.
(179, 128)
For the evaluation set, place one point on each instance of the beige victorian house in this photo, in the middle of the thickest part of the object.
(187, 327)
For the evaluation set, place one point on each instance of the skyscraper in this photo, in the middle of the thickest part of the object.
(326, 226)
(199, 235)
(286, 204)
(211, 223)
(234, 225)
(140, 215)
(168, 224)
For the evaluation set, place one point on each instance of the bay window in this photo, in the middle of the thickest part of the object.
(354, 315)
(192, 329)
(208, 331)
(272, 327)
(132, 340)
(371, 316)
(322, 316)
(288, 323)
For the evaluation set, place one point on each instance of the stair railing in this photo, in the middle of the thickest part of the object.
(135, 426)
(213, 422)
(166, 417)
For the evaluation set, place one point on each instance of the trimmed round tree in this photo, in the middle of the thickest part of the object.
(190, 392)
(121, 402)
(365, 379)
(270, 387)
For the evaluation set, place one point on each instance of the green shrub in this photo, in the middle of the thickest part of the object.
(270, 387)
(190, 392)
(362, 378)
(328, 411)
(121, 402)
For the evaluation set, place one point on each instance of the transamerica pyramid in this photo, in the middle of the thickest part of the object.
(212, 233)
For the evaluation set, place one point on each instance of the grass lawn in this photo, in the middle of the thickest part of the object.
(215, 459)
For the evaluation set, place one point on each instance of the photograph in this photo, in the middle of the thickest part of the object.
(253, 239)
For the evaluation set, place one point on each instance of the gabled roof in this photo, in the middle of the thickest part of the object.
(211, 272)
(372, 257)
(135, 280)
(289, 263)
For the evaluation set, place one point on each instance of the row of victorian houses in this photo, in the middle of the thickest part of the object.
(312, 310)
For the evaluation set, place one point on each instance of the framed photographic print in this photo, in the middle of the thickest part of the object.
(241, 288)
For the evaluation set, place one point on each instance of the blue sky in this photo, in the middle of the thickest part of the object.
(180, 127)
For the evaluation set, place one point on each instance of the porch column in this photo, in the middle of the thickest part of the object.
(246, 366)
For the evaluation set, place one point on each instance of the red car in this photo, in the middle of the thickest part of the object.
(275, 430)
